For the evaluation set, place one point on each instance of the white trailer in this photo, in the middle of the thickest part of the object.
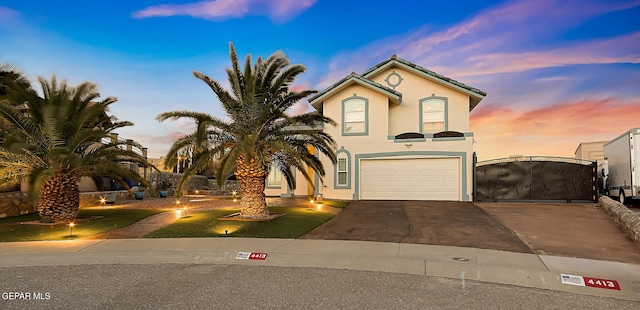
(623, 157)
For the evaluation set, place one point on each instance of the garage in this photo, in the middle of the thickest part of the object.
(410, 179)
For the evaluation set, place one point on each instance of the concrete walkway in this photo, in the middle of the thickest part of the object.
(521, 269)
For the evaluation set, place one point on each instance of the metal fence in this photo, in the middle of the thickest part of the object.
(535, 178)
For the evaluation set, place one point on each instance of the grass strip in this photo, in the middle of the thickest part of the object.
(12, 231)
(296, 222)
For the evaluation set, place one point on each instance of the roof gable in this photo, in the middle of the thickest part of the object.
(353, 78)
(394, 61)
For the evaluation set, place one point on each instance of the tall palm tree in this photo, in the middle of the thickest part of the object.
(259, 135)
(54, 140)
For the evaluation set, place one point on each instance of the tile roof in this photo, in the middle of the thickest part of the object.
(425, 71)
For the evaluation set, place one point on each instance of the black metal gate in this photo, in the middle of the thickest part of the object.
(535, 178)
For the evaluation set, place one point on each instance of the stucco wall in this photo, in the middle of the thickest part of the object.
(303, 188)
(591, 150)
(15, 203)
(378, 144)
(406, 116)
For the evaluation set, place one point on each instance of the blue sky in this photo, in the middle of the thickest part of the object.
(557, 73)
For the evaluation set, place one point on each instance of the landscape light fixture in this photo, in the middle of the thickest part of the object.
(71, 228)
(103, 202)
(226, 232)
(185, 210)
(311, 204)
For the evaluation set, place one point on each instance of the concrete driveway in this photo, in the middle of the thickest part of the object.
(424, 222)
(562, 229)
(566, 229)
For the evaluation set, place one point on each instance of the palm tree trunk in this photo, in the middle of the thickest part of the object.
(59, 198)
(251, 178)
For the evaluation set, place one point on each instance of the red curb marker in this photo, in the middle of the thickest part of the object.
(252, 255)
(258, 255)
(591, 282)
(602, 283)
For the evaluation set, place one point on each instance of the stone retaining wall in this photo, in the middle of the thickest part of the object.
(15, 203)
(92, 199)
(229, 185)
(197, 182)
(626, 219)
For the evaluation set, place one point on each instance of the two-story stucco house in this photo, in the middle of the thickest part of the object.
(402, 134)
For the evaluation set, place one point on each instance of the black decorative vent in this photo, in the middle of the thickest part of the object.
(409, 135)
(448, 134)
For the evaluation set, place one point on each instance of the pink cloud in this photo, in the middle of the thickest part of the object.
(592, 52)
(551, 131)
(505, 38)
(278, 10)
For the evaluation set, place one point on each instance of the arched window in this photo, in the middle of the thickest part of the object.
(433, 114)
(342, 178)
(355, 116)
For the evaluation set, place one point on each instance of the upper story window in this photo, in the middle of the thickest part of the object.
(433, 114)
(355, 116)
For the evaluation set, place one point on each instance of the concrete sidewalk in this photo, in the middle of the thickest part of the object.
(521, 269)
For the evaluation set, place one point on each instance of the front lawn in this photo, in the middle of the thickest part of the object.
(296, 222)
(11, 230)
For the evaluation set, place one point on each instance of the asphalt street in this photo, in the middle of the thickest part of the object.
(218, 286)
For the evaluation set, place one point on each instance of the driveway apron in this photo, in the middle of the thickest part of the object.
(423, 222)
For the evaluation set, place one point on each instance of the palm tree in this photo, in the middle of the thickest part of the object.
(13, 83)
(259, 135)
(54, 140)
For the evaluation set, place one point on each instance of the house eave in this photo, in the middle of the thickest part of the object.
(316, 101)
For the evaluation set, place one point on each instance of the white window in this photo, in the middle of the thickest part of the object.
(275, 178)
(343, 172)
(355, 116)
(433, 115)
(342, 169)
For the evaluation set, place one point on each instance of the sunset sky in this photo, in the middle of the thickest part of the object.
(557, 72)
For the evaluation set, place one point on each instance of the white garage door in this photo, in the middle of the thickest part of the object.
(410, 179)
